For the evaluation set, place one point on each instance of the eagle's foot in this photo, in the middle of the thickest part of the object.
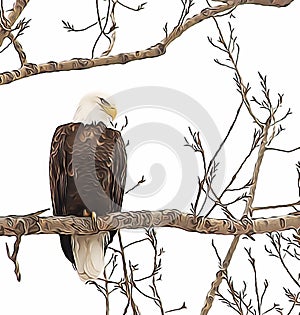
(94, 220)
(93, 216)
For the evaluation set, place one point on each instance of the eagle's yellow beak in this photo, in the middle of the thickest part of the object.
(111, 111)
(107, 107)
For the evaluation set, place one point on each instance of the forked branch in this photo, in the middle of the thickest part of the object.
(30, 69)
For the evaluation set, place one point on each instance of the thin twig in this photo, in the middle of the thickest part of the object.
(219, 149)
(252, 262)
(140, 6)
(282, 150)
(135, 242)
(156, 267)
(243, 89)
(182, 307)
(276, 242)
(106, 292)
(141, 181)
(293, 204)
(126, 278)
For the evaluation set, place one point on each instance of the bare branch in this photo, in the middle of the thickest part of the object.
(33, 224)
(258, 298)
(294, 298)
(22, 25)
(243, 89)
(275, 3)
(183, 306)
(219, 277)
(135, 242)
(141, 181)
(138, 8)
(128, 290)
(15, 12)
(70, 27)
(14, 255)
(276, 239)
(282, 150)
(156, 267)
(19, 49)
(293, 204)
(261, 152)
(30, 69)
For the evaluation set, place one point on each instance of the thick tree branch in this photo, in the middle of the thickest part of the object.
(14, 14)
(30, 69)
(34, 224)
(274, 3)
(18, 48)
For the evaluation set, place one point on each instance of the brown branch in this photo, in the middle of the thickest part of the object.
(4, 24)
(112, 31)
(18, 48)
(14, 14)
(264, 127)
(128, 290)
(248, 210)
(157, 50)
(242, 88)
(274, 3)
(261, 152)
(21, 231)
(219, 277)
(33, 224)
(151, 234)
(14, 255)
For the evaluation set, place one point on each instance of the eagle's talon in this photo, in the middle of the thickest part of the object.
(86, 213)
(93, 216)
(94, 220)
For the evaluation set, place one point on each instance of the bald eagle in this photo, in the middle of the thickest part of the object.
(87, 178)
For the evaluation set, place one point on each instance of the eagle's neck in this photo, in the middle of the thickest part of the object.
(90, 114)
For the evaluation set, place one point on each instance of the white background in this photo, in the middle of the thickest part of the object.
(32, 108)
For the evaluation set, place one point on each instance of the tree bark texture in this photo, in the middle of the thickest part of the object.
(34, 224)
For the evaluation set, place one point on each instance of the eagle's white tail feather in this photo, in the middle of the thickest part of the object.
(88, 251)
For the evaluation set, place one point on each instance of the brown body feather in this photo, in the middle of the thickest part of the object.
(87, 172)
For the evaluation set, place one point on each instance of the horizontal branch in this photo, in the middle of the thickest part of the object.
(274, 3)
(34, 224)
(30, 69)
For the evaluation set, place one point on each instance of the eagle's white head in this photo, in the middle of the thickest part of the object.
(93, 108)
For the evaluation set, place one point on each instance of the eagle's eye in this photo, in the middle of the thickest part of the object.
(104, 102)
